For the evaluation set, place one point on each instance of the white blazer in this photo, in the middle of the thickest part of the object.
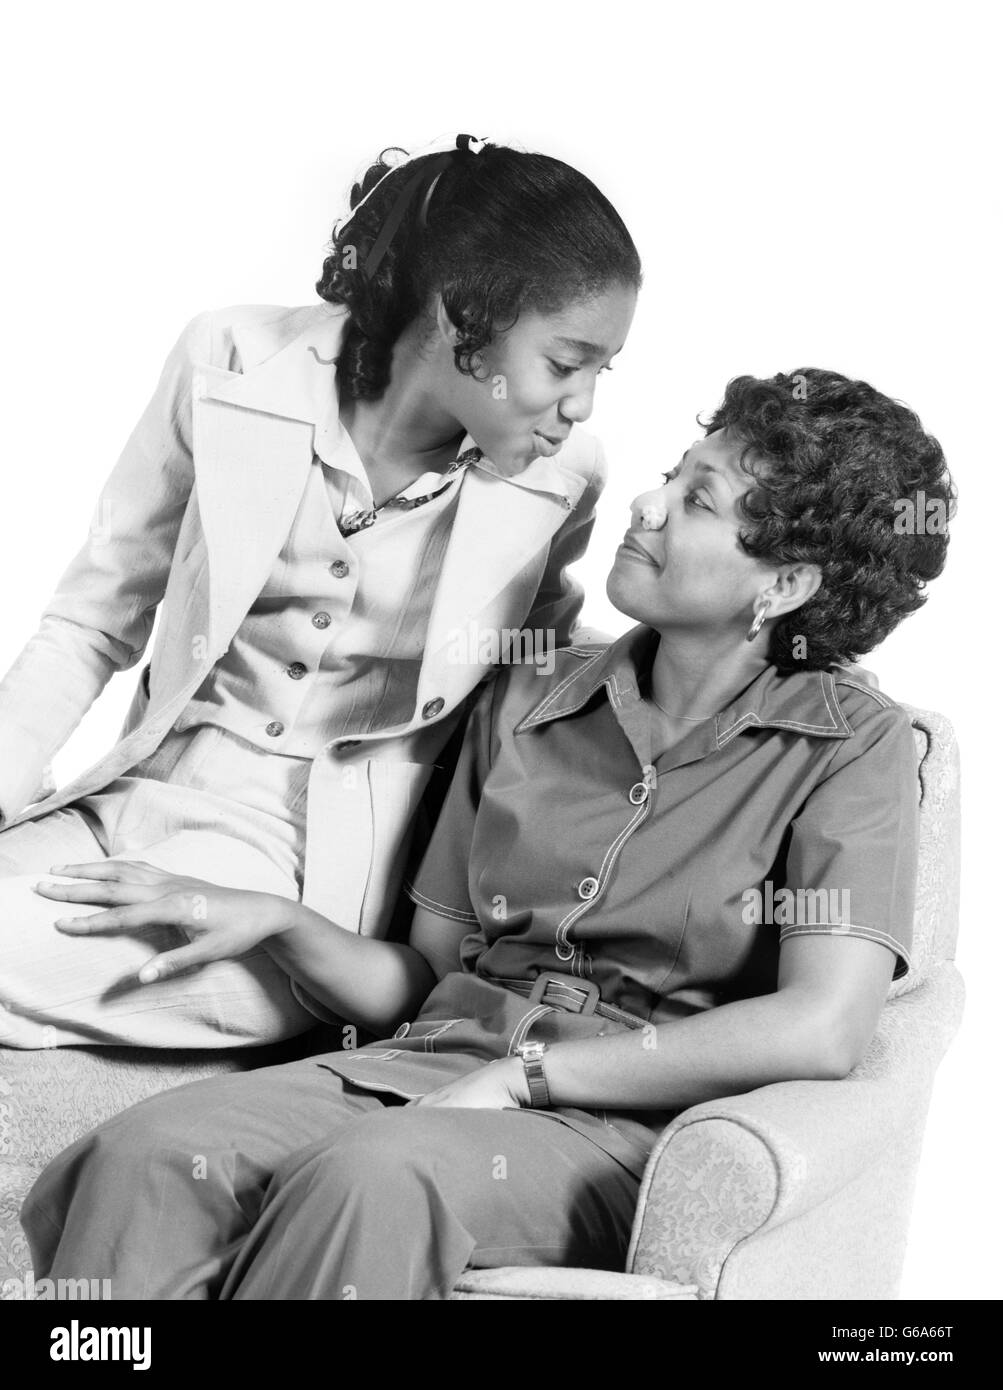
(193, 517)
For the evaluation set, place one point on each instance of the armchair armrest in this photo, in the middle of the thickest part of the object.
(800, 1189)
(535, 1282)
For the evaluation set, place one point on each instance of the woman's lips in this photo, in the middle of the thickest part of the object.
(547, 447)
(634, 551)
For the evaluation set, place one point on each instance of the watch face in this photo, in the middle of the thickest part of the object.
(531, 1051)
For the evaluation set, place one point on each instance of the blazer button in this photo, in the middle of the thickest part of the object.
(638, 793)
(296, 671)
(588, 888)
(321, 620)
(339, 568)
(433, 708)
(274, 729)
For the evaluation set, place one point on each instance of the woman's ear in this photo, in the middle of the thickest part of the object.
(793, 586)
(444, 324)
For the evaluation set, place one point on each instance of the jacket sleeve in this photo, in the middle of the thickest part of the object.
(559, 598)
(100, 617)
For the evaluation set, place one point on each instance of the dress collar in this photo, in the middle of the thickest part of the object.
(804, 702)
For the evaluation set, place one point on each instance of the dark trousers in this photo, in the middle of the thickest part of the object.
(288, 1183)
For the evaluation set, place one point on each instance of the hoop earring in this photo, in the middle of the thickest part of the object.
(761, 611)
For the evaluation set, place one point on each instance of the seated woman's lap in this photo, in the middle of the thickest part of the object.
(396, 1204)
(57, 990)
(66, 836)
(222, 1173)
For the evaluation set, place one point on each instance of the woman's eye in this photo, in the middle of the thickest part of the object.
(695, 500)
(562, 369)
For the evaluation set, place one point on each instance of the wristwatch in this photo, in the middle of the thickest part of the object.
(532, 1061)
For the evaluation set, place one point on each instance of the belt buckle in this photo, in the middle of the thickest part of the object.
(588, 988)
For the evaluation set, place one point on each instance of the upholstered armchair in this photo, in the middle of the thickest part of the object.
(801, 1190)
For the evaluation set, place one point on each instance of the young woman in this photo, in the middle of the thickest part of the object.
(603, 933)
(327, 500)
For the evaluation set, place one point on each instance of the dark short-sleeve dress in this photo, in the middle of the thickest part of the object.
(605, 890)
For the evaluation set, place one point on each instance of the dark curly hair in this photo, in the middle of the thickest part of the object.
(843, 477)
(504, 231)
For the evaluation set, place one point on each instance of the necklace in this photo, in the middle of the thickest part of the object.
(686, 718)
(360, 521)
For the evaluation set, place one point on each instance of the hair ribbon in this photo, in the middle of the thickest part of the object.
(427, 179)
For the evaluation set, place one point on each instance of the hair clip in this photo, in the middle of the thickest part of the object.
(465, 144)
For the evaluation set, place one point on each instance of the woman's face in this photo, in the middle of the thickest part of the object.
(680, 564)
(537, 380)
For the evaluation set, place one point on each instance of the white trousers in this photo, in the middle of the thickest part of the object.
(205, 804)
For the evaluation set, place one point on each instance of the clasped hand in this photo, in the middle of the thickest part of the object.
(220, 923)
(499, 1085)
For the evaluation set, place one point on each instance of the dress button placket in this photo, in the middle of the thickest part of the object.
(564, 949)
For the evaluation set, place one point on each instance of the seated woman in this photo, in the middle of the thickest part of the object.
(679, 868)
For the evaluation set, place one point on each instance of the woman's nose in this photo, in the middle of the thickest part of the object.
(649, 511)
(578, 407)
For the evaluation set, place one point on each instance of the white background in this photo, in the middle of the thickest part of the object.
(806, 184)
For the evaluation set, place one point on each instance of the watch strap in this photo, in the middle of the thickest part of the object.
(536, 1077)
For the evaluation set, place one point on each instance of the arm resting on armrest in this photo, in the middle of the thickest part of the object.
(731, 1170)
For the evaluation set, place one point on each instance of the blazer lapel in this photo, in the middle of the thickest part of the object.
(501, 525)
(256, 432)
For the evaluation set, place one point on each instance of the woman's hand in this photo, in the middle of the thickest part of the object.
(497, 1086)
(220, 923)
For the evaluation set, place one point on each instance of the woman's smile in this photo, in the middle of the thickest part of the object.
(632, 549)
(546, 445)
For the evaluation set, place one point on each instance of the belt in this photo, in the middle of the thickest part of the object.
(575, 995)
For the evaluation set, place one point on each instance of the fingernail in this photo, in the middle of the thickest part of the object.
(148, 974)
(62, 921)
(56, 868)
